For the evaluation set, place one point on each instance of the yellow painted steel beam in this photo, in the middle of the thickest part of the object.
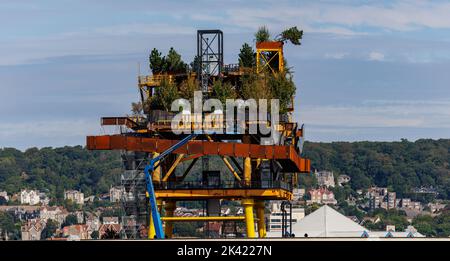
(259, 206)
(248, 203)
(247, 170)
(172, 168)
(188, 219)
(230, 167)
(200, 194)
(156, 175)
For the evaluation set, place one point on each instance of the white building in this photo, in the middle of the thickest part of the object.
(75, 196)
(321, 196)
(325, 178)
(4, 195)
(30, 197)
(298, 194)
(56, 213)
(115, 194)
(274, 221)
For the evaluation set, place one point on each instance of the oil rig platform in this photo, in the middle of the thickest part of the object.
(258, 172)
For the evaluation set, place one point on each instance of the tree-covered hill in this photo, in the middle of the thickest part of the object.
(52, 170)
(399, 165)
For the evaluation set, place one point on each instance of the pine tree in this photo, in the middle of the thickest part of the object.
(247, 56)
(262, 35)
(292, 34)
(156, 61)
(174, 64)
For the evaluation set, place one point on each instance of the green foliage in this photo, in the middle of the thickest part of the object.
(188, 87)
(399, 166)
(136, 108)
(95, 234)
(223, 91)
(187, 229)
(438, 226)
(53, 170)
(255, 86)
(171, 63)
(166, 93)
(262, 34)
(8, 225)
(70, 220)
(195, 64)
(389, 217)
(156, 61)
(247, 57)
(50, 229)
(311, 208)
(283, 88)
(292, 34)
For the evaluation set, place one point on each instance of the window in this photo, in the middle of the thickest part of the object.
(275, 226)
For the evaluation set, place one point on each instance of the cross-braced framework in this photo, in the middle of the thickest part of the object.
(134, 203)
(210, 54)
(269, 56)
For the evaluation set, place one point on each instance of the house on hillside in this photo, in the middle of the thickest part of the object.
(32, 229)
(75, 196)
(76, 231)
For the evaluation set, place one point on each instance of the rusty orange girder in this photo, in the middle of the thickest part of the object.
(287, 155)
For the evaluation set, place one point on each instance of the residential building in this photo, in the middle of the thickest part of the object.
(322, 196)
(32, 229)
(110, 220)
(93, 222)
(56, 213)
(80, 216)
(30, 197)
(405, 203)
(435, 207)
(75, 196)
(391, 200)
(108, 231)
(381, 198)
(115, 194)
(76, 231)
(325, 178)
(408, 204)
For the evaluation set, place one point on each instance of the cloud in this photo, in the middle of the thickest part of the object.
(338, 56)
(380, 114)
(376, 56)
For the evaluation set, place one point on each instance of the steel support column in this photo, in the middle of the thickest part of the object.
(259, 205)
(248, 203)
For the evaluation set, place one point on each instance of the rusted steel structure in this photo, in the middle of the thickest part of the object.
(258, 172)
